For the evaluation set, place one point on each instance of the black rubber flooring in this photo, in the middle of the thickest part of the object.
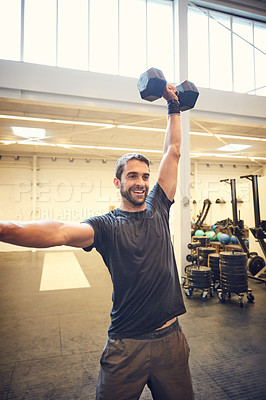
(51, 341)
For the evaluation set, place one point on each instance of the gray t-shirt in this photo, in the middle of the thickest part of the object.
(136, 247)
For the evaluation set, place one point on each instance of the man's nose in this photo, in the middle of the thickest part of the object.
(140, 181)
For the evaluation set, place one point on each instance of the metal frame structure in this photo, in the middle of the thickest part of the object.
(259, 231)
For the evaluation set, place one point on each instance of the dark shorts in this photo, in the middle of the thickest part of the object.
(158, 359)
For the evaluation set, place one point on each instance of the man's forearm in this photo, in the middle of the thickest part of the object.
(37, 234)
(173, 134)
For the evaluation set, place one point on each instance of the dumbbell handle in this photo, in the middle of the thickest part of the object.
(193, 245)
(191, 257)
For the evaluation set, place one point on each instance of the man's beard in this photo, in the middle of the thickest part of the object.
(129, 197)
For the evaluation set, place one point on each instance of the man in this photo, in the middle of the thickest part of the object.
(145, 342)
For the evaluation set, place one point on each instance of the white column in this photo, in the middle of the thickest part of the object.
(181, 216)
(34, 191)
(34, 187)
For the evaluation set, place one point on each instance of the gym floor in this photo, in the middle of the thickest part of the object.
(52, 336)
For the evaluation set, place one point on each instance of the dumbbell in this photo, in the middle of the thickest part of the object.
(151, 85)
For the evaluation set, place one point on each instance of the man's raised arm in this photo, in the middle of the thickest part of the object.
(167, 175)
(41, 234)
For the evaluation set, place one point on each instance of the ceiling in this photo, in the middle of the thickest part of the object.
(61, 138)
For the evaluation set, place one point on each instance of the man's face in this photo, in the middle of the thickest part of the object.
(134, 183)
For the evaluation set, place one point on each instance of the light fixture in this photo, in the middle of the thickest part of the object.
(239, 137)
(258, 158)
(80, 146)
(33, 142)
(218, 155)
(201, 133)
(7, 142)
(141, 128)
(228, 156)
(201, 155)
(57, 121)
(233, 147)
(26, 132)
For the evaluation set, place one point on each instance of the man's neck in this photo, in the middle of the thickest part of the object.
(126, 206)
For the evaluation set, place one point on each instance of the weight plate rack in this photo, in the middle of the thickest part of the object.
(203, 253)
(198, 277)
(204, 240)
(233, 276)
(214, 264)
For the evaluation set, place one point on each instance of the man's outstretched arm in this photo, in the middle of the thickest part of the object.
(41, 234)
(167, 176)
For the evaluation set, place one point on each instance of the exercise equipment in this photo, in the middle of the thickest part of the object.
(234, 277)
(198, 276)
(203, 240)
(211, 235)
(218, 235)
(203, 254)
(199, 232)
(259, 231)
(234, 240)
(214, 264)
(255, 263)
(202, 216)
(224, 238)
(152, 83)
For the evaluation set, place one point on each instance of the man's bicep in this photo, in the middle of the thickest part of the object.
(79, 235)
(167, 175)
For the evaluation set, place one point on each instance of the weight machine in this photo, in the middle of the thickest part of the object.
(202, 216)
(255, 263)
(259, 232)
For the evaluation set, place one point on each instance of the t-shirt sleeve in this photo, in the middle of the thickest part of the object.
(98, 224)
(158, 198)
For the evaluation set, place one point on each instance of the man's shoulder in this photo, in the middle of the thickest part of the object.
(157, 195)
(101, 219)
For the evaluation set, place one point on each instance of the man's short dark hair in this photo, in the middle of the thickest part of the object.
(122, 161)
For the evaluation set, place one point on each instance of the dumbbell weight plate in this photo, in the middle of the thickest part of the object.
(151, 84)
(187, 95)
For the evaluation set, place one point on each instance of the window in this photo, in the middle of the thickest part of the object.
(226, 52)
(243, 63)
(110, 36)
(260, 58)
(198, 49)
(160, 37)
(103, 36)
(220, 52)
(126, 37)
(10, 29)
(40, 31)
(132, 37)
(73, 34)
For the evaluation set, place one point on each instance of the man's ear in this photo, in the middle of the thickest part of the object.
(116, 183)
